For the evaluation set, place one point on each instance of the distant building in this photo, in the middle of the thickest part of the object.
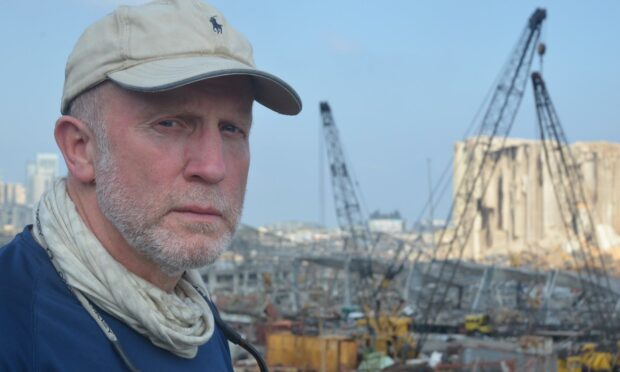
(41, 174)
(297, 232)
(427, 226)
(12, 194)
(13, 218)
(389, 223)
(14, 213)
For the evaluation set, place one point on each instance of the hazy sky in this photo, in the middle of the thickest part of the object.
(404, 80)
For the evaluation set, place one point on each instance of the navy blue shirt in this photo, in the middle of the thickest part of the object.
(43, 327)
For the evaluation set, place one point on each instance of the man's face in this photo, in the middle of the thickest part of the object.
(173, 176)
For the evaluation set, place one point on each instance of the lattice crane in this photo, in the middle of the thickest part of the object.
(348, 209)
(492, 133)
(567, 183)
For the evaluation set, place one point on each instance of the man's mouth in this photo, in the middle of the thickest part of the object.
(198, 213)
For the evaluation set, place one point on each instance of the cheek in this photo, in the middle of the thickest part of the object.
(237, 167)
(147, 172)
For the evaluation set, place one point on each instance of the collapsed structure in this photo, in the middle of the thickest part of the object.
(518, 216)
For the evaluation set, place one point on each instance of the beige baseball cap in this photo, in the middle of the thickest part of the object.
(166, 44)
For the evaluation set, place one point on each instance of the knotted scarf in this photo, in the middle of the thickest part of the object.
(179, 321)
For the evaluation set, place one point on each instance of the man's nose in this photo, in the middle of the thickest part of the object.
(205, 157)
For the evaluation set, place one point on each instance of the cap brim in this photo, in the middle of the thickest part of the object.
(165, 74)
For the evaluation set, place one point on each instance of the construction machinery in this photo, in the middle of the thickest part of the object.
(576, 215)
(383, 330)
(390, 335)
(470, 188)
(589, 358)
(492, 133)
(478, 324)
(348, 211)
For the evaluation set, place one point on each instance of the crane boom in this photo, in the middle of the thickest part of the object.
(348, 209)
(567, 183)
(492, 133)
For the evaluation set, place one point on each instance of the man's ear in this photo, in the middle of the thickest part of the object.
(77, 143)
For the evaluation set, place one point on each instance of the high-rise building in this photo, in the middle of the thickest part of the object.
(12, 194)
(41, 174)
(14, 213)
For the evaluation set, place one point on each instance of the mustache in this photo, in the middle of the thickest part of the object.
(207, 198)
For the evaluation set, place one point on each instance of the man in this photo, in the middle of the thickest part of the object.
(157, 111)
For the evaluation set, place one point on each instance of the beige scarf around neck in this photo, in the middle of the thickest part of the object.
(179, 321)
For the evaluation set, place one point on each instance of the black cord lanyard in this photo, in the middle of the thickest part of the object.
(235, 337)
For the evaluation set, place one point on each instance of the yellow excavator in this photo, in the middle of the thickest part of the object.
(390, 335)
(478, 324)
(590, 358)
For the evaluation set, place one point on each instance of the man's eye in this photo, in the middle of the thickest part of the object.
(231, 128)
(168, 123)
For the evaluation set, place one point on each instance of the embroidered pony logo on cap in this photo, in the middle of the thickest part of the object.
(217, 28)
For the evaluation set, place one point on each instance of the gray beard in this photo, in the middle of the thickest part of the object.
(142, 225)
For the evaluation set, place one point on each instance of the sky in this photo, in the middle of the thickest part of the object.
(404, 80)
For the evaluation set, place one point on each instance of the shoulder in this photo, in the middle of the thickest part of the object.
(36, 305)
(22, 263)
(19, 273)
(40, 319)
(19, 266)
